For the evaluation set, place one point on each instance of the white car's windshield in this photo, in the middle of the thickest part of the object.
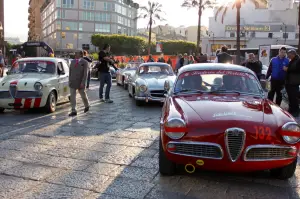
(218, 81)
(156, 69)
(33, 66)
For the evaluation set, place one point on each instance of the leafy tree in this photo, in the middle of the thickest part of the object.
(201, 5)
(153, 13)
(237, 4)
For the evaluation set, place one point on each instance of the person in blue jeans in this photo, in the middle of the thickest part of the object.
(277, 73)
(104, 73)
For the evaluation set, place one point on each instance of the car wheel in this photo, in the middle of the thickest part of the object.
(286, 172)
(2, 110)
(51, 103)
(166, 167)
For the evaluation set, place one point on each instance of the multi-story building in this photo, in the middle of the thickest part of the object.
(2, 25)
(269, 24)
(69, 24)
(34, 17)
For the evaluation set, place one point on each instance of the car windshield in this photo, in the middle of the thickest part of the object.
(216, 81)
(156, 69)
(33, 66)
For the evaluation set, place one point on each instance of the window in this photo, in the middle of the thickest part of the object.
(129, 14)
(75, 36)
(67, 3)
(107, 6)
(120, 20)
(102, 28)
(270, 35)
(285, 35)
(119, 30)
(63, 14)
(69, 46)
(63, 35)
(88, 16)
(102, 17)
(118, 9)
(69, 25)
(89, 5)
(80, 36)
(232, 34)
(58, 14)
(54, 35)
(58, 3)
(58, 25)
(80, 26)
(124, 11)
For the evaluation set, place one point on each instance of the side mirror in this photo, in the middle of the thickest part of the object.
(167, 86)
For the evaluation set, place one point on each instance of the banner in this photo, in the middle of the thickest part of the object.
(158, 47)
(264, 54)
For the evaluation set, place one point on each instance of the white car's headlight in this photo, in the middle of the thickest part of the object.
(291, 132)
(143, 88)
(38, 86)
(175, 128)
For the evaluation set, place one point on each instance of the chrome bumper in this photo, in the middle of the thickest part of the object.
(148, 98)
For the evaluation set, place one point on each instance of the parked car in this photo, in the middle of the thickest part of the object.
(217, 117)
(123, 74)
(35, 83)
(95, 74)
(147, 84)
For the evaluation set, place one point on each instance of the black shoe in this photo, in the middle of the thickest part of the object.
(86, 109)
(72, 114)
(108, 101)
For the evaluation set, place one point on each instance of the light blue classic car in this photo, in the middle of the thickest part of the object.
(147, 84)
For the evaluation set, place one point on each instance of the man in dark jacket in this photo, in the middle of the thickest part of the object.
(254, 65)
(277, 74)
(223, 56)
(292, 82)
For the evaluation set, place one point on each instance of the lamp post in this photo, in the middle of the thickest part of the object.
(284, 26)
(211, 33)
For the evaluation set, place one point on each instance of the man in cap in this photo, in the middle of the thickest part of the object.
(292, 81)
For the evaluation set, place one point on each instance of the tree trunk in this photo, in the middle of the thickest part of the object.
(149, 38)
(199, 27)
(238, 32)
(299, 28)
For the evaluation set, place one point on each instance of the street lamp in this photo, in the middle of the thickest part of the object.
(211, 33)
(285, 33)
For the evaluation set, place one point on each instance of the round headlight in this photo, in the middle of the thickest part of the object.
(38, 86)
(143, 88)
(291, 127)
(175, 128)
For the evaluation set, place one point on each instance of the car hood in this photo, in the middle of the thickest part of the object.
(23, 79)
(224, 108)
(157, 81)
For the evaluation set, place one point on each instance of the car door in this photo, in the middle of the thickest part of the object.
(63, 75)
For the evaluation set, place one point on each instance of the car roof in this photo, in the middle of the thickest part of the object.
(213, 66)
(154, 63)
(51, 59)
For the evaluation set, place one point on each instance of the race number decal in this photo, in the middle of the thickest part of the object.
(262, 133)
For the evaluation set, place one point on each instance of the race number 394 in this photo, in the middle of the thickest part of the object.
(262, 133)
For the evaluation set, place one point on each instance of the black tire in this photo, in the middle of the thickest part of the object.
(166, 167)
(2, 110)
(284, 173)
(51, 103)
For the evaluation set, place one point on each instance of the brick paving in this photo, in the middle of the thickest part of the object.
(109, 153)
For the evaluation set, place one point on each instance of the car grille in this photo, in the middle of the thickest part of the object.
(267, 153)
(157, 93)
(197, 149)
(4, 95)
(28, 94)
(234, 140)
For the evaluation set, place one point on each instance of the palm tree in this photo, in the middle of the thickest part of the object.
(237, 4)
(152, 12)
(200, 5)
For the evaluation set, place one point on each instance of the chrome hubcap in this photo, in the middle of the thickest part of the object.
(52, 101)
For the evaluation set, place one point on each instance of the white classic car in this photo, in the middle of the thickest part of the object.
(148, 83)
(123, 74)
(35, 83)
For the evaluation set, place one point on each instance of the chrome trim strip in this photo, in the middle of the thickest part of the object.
(150, 99)
(242, 145)
(266, 146)
(197, 143)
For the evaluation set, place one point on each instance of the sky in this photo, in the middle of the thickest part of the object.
(16, 16)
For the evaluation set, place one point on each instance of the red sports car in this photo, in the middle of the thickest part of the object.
(216, 117)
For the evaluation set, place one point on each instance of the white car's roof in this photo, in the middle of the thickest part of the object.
(51, 59)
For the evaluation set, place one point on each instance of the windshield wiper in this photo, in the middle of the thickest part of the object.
(188, 91)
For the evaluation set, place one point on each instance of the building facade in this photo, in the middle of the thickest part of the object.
(68, 25)
(2, 25)
(270, 24)
(34, 17)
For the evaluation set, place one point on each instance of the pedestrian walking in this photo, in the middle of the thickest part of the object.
(277, 73)
(223, 56)
(104, 73)
(254, 65)
(77, 79)
(89, 60)
(292, 82)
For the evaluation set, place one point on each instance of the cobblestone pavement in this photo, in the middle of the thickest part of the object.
(111, 153)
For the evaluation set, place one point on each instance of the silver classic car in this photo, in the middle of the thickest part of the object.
(123, 74)
(147, 84)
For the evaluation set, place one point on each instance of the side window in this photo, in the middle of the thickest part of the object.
(60, 68)
(66, 68)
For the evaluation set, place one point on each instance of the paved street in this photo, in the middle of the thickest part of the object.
(111, 153)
